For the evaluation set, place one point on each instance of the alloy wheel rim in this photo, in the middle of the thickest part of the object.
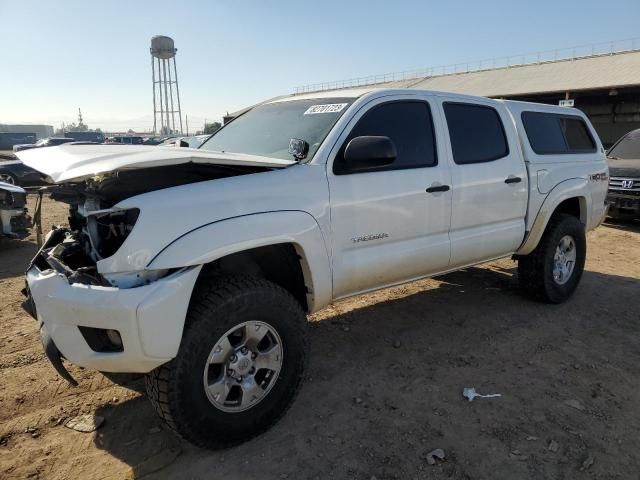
(243, 366)
(7, 178)
(564, 260)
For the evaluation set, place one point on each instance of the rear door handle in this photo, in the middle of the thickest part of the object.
(438, 188)
(513, 180)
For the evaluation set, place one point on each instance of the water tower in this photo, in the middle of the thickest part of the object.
(165, 88)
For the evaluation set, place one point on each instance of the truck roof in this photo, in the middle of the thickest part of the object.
(513, 105)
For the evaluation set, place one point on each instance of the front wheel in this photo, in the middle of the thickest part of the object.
(239, 366)
(551, 272)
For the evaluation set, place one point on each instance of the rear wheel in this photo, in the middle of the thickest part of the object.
(239, 366)
(551, 272)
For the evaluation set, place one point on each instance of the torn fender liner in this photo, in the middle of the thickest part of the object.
(28, 305)
(54, 356)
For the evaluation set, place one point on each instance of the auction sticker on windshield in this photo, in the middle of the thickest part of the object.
(329, 108)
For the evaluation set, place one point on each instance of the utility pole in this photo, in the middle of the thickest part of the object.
(186, 119)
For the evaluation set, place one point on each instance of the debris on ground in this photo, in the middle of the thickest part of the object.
(553, 446)
(587, 462)
(517, 455)
(470, 393)
(437, 453)
(575, 404)
(85, 423)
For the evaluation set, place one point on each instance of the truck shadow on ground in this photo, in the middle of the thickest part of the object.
(628, 225)
(15, 256)
(386, 376)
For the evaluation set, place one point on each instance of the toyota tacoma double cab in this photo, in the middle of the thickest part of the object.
(197, 267)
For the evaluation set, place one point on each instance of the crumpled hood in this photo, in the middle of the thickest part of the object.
(624, 168)
(76, 162)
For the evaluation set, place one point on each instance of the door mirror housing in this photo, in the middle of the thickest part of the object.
(298, 148)
(369, 153)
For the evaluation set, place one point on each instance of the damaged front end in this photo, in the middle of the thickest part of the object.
(91, 236)
(115, 320)
(73, 252)
(97, 305)
(98, 227)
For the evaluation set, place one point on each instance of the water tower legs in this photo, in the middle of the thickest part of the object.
(164, 109)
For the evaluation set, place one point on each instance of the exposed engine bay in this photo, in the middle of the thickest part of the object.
(97, 230)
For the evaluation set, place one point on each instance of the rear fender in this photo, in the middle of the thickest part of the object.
(572, 188)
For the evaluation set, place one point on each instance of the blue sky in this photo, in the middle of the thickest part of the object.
(59, 56)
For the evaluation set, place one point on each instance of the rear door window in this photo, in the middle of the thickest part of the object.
(476, 133)
(552, 133)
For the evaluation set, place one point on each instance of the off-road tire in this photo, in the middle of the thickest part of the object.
(535, 271)
(176, 388)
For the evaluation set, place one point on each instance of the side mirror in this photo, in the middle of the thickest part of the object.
(369, 153)
(298, 148)
(183, 143)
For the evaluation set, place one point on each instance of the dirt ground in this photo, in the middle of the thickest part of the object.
(384, 386)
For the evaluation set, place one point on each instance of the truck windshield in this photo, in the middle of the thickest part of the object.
(266, 129)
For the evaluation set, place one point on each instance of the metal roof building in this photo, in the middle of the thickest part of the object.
(606, 86)
(602, 80)
(604, 70)
(617, 70)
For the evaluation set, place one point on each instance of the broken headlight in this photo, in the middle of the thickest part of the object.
(109, 229)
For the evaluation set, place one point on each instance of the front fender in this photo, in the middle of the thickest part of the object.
(224, 237)
(572, 188)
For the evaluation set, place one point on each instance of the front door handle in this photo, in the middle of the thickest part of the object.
(513, 180)
(438, 188)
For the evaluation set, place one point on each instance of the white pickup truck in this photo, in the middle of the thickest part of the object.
(197, 267)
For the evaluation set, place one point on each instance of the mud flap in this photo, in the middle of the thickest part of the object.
(54, 356)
